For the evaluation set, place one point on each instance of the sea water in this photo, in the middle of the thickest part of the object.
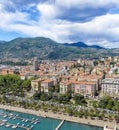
(38, 123)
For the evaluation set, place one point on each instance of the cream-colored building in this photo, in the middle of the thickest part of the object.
(110, 86)
(36, 85)
(65, 87)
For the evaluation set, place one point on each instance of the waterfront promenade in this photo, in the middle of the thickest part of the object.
(88, 121)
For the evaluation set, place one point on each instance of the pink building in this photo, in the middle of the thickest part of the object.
(85, 88)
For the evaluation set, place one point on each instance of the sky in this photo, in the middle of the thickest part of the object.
(64, 21)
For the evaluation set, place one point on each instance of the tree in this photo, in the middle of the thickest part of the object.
(37, 96)
(110, 104)
(117, 105)
(79, 99)
(27, 84)
(95, 63)
(45, 97)
(57, 88)
(106, 102)
(51, 89)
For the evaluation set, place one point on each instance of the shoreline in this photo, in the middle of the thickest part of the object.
(49, 114)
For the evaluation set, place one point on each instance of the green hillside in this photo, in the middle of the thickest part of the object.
(45, 48)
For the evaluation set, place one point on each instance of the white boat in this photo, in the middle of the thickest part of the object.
(11, 114)
(26, 120)
(18, 123)
(22, 124)
(32, 126)
(7, 125)
(4, 120)
(14, 126)
(14, 118)
(2, 124)
(107, 128)
(35, 123)
(32, 122)
(5, 116)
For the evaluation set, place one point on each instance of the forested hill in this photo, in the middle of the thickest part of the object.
(45, 48)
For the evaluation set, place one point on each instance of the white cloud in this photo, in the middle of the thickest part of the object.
(47, 11)
(86, 3)
(58, 23)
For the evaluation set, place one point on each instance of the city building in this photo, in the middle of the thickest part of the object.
(84, 88)
(35, 64)
(46, 84)
(110, 86)
(65, 87)
(36, 85)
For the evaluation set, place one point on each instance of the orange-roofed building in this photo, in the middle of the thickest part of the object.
(46, 84)
(84, 88)
(7, 71)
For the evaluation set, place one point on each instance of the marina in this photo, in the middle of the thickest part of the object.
(20, 121)
(10, 120)
(7, 124)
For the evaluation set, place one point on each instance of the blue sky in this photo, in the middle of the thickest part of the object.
(90, 21)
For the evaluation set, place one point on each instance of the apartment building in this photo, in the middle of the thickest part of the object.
(110, 86)
(65, 87)
(84, 88)
(45, 84)
(36, 85)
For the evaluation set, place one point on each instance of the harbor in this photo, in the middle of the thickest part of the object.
(10, 120)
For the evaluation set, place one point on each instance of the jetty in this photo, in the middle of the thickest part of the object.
(58, 127)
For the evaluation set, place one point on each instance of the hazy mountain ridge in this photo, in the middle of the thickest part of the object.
(82, 44)
(45, 48)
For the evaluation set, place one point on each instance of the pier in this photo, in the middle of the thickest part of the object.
(60, 125)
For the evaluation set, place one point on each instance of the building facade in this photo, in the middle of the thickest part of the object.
(84, 88)
(46, 84)
(65, 87)
(110, 86)
(36, 85)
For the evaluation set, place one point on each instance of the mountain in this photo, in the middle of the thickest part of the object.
(78, 44)
(97, 47)
(81, 44)
(45, 48)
